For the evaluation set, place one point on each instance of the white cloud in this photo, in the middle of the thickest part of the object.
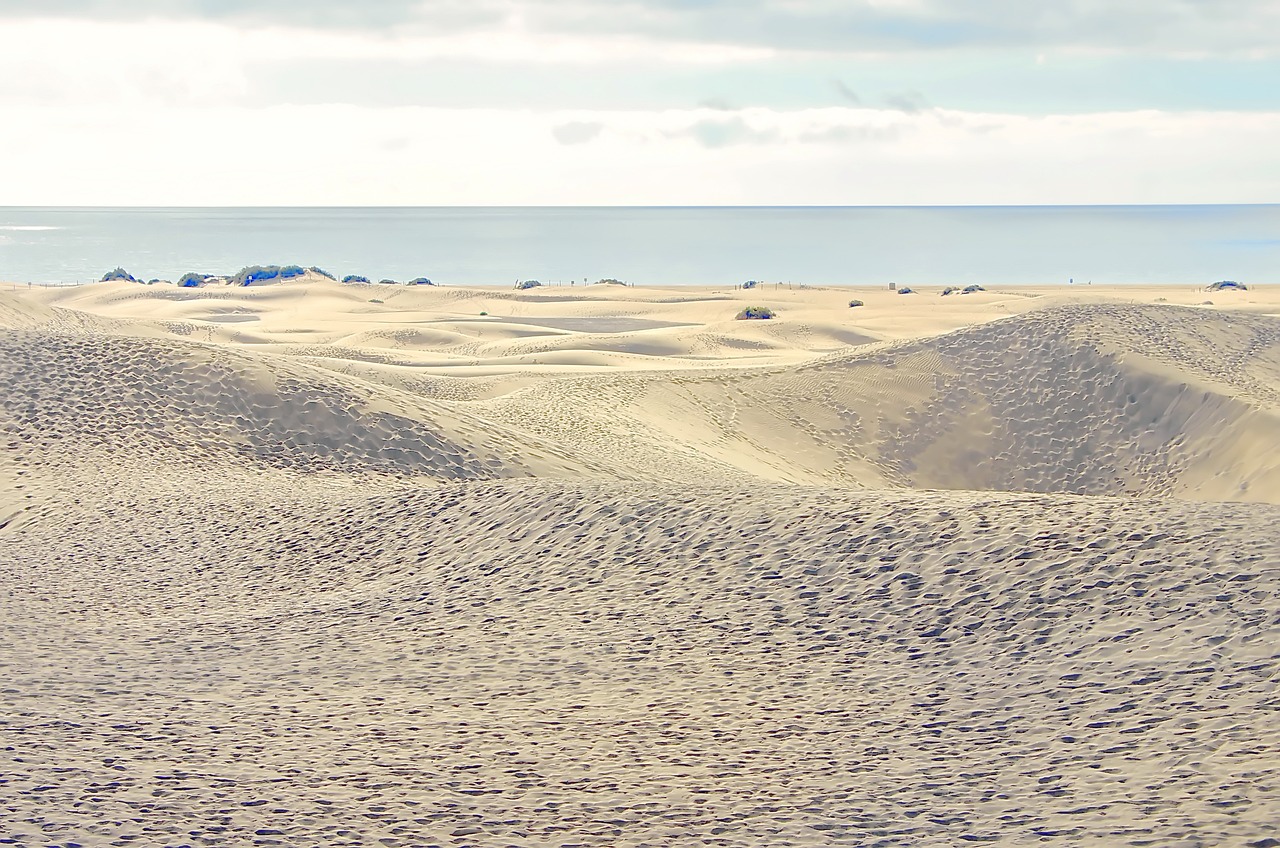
(190, 63)
(859, 26)
(1176, 27)
(185, 62)
(576, 132)
(167, 112)
(327, 155)
(96, 63)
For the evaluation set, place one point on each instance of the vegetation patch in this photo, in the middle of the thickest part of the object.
(756, 313)
(119, 274)
(191, 280)
(251, 274)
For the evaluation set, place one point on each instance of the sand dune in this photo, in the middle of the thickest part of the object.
(216, 405)
(1067, 399)
(1084, 400)
(604, 566)
(601, 664)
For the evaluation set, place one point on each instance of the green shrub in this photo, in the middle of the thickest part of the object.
(853, 303)
(756, 313)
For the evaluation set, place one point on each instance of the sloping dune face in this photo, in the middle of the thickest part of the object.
(1100, 399)
(65, 393)
(537, 663)
(1084, 400)
(490, 583)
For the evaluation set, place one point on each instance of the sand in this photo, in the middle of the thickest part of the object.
(603, 566)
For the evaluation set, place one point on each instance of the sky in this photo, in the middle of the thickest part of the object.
(638, 102)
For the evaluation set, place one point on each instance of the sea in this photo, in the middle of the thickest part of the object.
(658, 246)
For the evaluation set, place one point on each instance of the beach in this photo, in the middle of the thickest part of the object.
(308, 563)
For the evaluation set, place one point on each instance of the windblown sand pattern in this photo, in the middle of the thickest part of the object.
(1004, 571)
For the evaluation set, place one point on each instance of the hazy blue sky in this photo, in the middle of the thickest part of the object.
(444, 102)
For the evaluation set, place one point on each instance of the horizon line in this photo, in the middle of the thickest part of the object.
(94, 207)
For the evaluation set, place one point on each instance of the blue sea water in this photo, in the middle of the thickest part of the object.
(658, 245)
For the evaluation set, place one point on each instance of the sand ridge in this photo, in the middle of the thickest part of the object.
(1059, 400)
(284, 566)
(1089, 398)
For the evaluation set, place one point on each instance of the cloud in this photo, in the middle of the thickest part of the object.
(846, 92)
(577, 132)
(722, 133)
(833, 155)
(718, 104)
(910, 102)
(852, 134)
(544, 86)
(370, 14)
(853, 26)
(836, 26)
(395, 144)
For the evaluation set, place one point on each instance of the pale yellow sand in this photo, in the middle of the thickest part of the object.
(607, 567)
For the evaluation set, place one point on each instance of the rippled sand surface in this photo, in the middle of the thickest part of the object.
(285, 566)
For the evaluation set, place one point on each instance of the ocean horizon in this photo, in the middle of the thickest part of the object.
(659, 246)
